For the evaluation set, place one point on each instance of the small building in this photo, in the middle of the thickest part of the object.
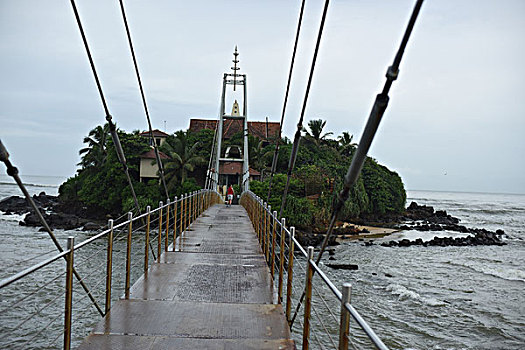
(148, 165)
(230, 173)
(158, 136)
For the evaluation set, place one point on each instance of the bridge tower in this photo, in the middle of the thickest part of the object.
(231, 81)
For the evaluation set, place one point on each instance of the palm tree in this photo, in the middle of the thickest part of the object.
(316, 131)
(259, 155)
(95, 153)
(346, 146)
(182, 160)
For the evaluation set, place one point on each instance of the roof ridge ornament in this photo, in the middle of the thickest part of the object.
(235, 68)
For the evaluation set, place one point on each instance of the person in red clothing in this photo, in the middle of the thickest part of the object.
(229, 195)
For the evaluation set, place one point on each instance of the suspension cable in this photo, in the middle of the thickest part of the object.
(109, 119)
(378, 110)
(146, 111)
(276, 152)
(13, 172)
(297, 136)
(209, 178)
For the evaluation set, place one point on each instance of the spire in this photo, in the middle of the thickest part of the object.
(235, 68)
(235, 109)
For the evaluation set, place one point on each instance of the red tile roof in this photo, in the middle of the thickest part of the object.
(156, 133)
(234, 168)
(151, 155)
(233, 126)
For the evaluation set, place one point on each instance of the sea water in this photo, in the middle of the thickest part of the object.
(444, 297)
(413, 297)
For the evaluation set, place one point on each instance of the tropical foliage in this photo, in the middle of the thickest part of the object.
(183, 158)
(321, 164)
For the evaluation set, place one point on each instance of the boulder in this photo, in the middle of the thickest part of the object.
(91, 226)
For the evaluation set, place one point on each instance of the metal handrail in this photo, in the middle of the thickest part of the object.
(191, 206)
(7, 281)
(311, 263)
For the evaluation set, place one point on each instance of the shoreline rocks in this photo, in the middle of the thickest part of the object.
(50, 208)
(481, 237)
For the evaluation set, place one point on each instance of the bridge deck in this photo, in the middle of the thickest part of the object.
(214, 292)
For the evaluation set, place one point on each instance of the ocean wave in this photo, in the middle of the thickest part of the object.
(405, 293)
(506, 273)
(29, 184)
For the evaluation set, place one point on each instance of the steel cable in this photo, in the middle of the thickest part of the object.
(297, 137)
(37, 312)
(139, 80)
(276, 152)
(17, 302)
(376, 114)
(13, 172)
(40, 332)
(109, 119)
(18, 263)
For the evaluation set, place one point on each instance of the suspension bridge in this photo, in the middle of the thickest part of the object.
(204, 275)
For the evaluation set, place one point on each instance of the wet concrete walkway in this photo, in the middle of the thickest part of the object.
(213, 292)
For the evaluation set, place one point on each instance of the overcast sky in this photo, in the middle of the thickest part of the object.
(455, 119)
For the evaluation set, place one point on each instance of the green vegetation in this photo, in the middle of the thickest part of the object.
(321, 165)
(100, 186)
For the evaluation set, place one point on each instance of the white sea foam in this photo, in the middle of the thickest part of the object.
(11, 217)
(405, 293)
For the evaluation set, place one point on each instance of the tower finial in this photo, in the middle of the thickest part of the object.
(235, 68)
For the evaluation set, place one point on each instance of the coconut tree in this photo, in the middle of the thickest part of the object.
(316, 131)
(183, 158)
(346, 146)
(95, 153)
(259, 155)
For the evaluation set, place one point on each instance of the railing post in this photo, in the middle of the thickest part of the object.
(146, 246)
(273, 221)
(159, 240)
(268, 216)
(186, 211)
(281, 260)
(181, 213)
(256, 221)
(174, 222)
(190, 210)
(189, 206)
(308, 300)
(264, 217)
(290, 275)
(201, 202)
(128, 256)
(194, 207)
(167, 234)
(68, 309)
(109, 267)
(195, 199)
(344, 323)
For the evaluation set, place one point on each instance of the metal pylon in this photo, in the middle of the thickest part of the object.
(234, 79)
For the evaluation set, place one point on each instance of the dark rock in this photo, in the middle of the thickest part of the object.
(331, 258)
(389, 275)
(57, 220)
(14, 205)
(343, 266)
(91, 226)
